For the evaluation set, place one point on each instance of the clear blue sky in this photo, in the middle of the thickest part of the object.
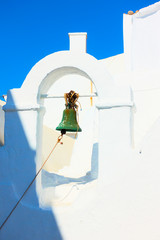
(32, 29)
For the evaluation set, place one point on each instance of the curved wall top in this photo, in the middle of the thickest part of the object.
(53, 67)
(58, 64)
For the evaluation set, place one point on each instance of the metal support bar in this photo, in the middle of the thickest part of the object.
(54, 96)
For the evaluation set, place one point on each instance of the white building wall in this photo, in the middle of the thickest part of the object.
(142, 37)
(141, 34)
(21, 156)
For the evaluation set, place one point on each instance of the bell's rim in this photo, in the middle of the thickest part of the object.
(69, 129)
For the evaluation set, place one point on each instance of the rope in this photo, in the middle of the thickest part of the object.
(58, 141)
(91, 98)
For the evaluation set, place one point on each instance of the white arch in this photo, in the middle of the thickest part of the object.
(59, 63)
(115, 126)
(53, 67)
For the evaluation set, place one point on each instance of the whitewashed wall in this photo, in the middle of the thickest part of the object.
(21, 156)
(141, 38)
(142, 61)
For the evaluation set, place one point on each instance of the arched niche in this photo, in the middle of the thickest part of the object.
(62, 64)
(46, 74)
(57, 83)
(72, 163)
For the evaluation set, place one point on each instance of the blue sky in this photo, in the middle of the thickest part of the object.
(32, 29)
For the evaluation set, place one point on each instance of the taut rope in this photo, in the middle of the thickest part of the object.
(58, 141)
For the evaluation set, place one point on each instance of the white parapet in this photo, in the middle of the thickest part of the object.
(141, 38)
(78, 42)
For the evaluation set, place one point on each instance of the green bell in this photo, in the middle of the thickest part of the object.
(69, 122)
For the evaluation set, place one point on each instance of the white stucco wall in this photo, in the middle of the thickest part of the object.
(145, 87)
(141, 38)
(24, 122)
(110, 96)
(125, 196)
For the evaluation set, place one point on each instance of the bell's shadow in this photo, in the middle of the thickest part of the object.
(54, 180)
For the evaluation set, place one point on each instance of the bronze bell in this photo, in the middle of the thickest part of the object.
(69, 120)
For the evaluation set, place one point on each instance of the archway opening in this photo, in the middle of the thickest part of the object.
(76, 161)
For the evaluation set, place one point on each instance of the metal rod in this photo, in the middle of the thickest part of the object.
(54, 96)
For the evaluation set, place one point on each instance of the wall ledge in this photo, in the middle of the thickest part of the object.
(108, 105)
(16, 108)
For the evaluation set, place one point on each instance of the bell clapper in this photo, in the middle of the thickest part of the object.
(63, 131)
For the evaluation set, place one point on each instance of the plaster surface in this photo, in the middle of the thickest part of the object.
(106, 154)
(141, 38)
(112, 193)
(125, 209)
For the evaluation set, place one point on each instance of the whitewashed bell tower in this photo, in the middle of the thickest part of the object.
(21, 155)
